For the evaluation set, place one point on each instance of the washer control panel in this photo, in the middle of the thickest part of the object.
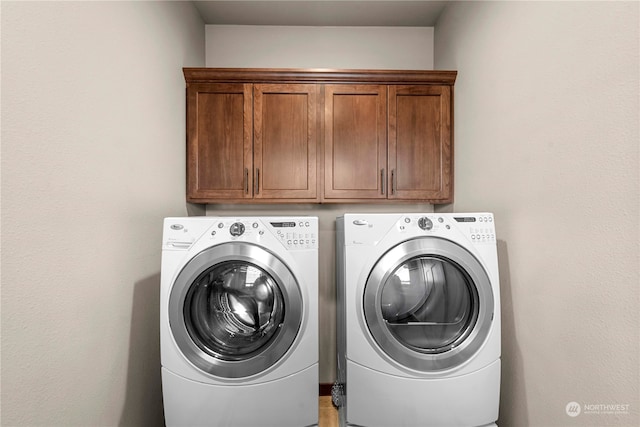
(293, 233)
(297, 234)
(479, 228)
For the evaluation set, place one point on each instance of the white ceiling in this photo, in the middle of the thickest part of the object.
(348, 13)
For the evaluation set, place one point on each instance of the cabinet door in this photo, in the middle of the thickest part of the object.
(420, 155)
(285, 141)
(355, 141)
(219, 135)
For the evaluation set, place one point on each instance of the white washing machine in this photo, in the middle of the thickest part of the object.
(239, 321)
(418, 320)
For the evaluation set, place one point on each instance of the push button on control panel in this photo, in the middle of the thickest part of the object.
(482, 235)
(296, 235)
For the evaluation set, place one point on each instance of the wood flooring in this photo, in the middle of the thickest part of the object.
(327, 413)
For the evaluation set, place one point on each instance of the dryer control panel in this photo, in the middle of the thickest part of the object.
(478, 227)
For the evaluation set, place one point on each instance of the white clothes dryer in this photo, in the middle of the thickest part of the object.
(418, 320)
(239, 321)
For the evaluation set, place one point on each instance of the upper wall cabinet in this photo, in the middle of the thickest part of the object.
(420, 143)
(251, 142)
(355, 141)
(219, 141)
(319, 136)
(285, 129)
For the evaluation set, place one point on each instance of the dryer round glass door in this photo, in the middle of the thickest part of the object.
(235, 310)
(428, 304)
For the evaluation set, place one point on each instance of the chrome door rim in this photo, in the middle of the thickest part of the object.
(445, 250)
(275, 349)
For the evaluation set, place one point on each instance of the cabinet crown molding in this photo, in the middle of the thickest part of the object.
(319, 75)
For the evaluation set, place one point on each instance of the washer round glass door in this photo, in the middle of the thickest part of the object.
(234, 310)
(428, 304)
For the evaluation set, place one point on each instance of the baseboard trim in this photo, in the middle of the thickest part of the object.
(325, 389)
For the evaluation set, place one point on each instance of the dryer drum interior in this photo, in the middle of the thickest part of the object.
(235, 310)
(428, 304)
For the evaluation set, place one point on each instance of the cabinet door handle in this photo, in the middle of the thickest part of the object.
(246, 180)
(382, 180)
(393, 181)
(257, 180)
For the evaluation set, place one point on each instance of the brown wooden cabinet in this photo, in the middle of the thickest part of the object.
(328, 136)
(285, 141)
(251, 141)
(420, 160)
(410, 162)
(219, 141)
(355, 141)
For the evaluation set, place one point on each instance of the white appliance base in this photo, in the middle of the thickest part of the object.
(291, 401)
(375, 399)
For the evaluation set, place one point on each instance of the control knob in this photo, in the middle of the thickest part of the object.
(236, 229)
(425, 223)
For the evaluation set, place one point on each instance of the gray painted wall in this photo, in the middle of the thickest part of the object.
(93, 122)
(547, 137)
